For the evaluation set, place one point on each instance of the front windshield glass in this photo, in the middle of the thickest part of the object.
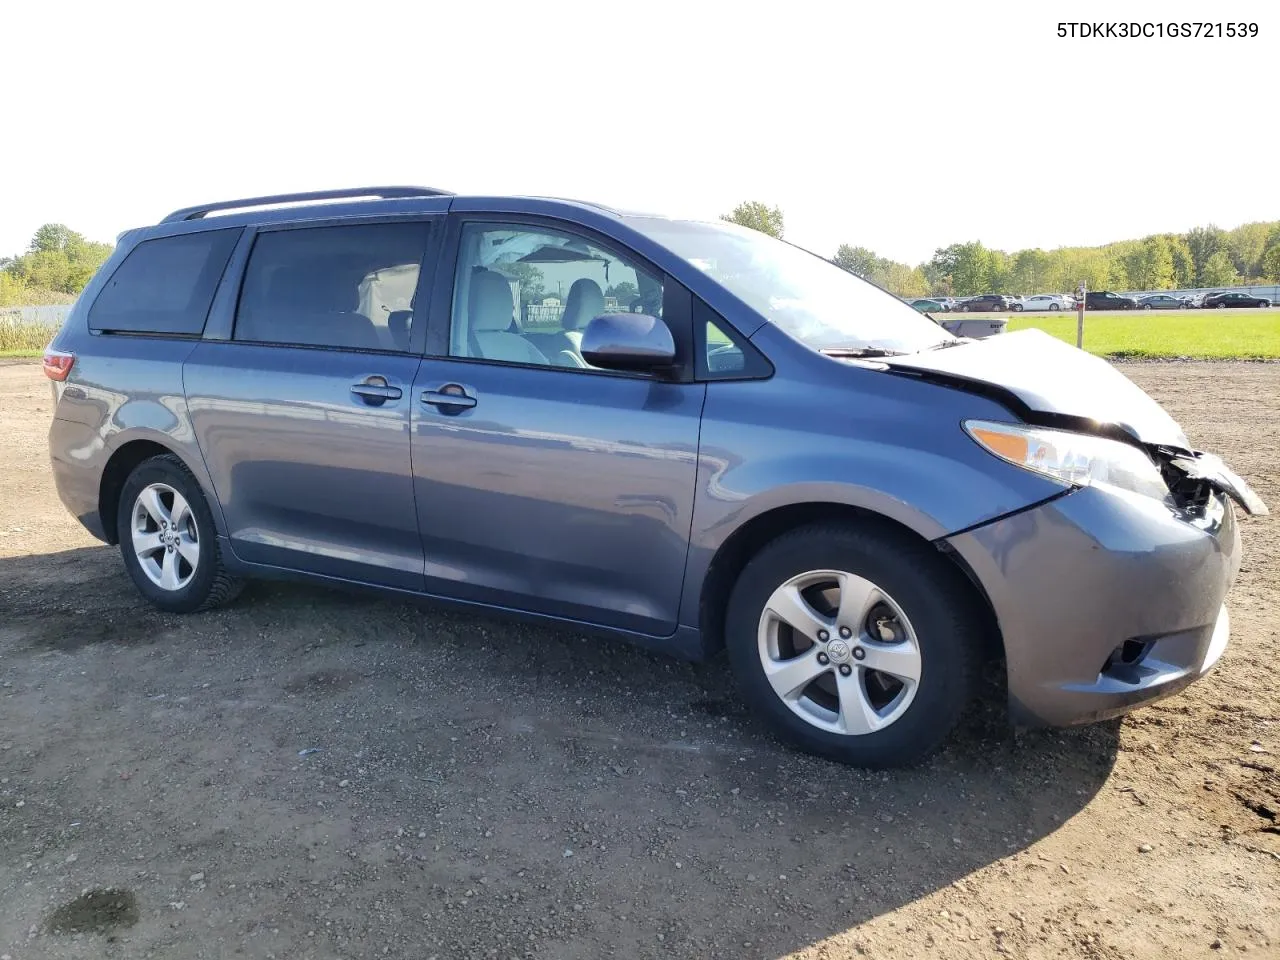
(810, 298)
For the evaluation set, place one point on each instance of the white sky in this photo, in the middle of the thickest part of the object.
(900, 126)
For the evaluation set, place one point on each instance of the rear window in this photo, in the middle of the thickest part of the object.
(165, 285)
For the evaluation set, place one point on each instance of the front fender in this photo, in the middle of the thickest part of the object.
(896, 450)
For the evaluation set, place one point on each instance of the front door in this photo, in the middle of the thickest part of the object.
(303, 417)
(542, 483)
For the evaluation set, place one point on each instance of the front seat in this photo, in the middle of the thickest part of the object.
(584, 303)
(491, 312)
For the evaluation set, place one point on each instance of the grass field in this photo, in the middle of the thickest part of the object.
(1203, 334)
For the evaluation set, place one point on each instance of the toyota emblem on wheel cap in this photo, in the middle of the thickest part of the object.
(838, 651)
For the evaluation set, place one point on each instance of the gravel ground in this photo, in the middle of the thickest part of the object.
(315, 774)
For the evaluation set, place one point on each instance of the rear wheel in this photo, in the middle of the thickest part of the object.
(1017, 308)
(857, 644)
(1054, 306)
(1146, 306)
(1222, 306)
(168, 539)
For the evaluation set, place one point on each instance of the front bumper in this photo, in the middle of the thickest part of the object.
(1105, 600)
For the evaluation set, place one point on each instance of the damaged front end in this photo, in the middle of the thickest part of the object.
(1193, 476)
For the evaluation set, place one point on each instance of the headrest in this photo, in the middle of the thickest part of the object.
(490, 305)
(584, 303)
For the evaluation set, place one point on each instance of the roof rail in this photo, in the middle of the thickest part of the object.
(382, 193)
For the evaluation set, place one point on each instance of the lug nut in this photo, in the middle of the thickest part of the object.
(823, 659)
(824, 636)
(859, 653)
(846, 632)
(845, 669)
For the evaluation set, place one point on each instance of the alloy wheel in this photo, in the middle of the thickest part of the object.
(839, 652)
(166, 540)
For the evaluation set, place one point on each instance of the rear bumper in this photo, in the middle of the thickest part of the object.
(76, 455)
(1105, 601)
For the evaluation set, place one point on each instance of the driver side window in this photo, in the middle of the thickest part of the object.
(525, 295)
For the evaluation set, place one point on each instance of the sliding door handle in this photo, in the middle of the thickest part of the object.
(451, 398)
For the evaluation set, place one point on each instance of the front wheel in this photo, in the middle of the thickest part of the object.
(1146, 306)
(854, 643)
(1017, 308)
(1222, 306)
(168, 539)
(1054, 306)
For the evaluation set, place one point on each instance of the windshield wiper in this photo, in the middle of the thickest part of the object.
(944, 344)
(861, 352)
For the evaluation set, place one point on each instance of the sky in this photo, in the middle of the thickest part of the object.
(898, 126)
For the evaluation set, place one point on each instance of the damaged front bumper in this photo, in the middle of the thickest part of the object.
(1105, 599)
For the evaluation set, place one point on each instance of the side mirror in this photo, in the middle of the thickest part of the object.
(628, 341)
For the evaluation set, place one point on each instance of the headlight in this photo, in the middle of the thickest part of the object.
(1075, 458)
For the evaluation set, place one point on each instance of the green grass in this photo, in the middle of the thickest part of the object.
(1200, 334)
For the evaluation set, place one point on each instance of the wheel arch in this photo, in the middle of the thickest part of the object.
(732, 556)
(124, 459)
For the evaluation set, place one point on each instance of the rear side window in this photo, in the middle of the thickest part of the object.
(346, 287)
(165, 285)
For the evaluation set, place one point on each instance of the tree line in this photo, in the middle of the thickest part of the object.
(1201, 257)
(54, 268)
(59, 262)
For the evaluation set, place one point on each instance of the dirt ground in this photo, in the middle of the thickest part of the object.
(318, 775)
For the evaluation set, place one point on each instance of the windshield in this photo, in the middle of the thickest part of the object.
(810, 298)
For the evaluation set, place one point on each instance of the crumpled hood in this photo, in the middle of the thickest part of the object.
(1052, 378)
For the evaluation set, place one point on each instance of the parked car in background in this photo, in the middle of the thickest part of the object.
(988, 303)
(1048, 301)
(1106, 300)
(771, 457)
(1161, 301)
(930, 306)
(1220, 301)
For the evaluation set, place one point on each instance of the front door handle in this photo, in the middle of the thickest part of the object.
(375, 391)
(449, 398)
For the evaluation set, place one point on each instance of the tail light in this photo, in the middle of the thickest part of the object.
(57, 365)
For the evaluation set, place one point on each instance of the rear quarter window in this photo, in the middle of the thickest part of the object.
(165, 285)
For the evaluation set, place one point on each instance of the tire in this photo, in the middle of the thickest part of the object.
(935, 619)
(1146, 306)
(179, 568)
(1017, 308)
(1054, 306)
(964, 308)
(1222, 306)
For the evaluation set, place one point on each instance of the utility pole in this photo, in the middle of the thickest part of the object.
(1080, 292)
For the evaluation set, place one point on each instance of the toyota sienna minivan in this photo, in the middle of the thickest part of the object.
(688, 435)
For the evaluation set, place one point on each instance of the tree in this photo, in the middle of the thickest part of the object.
(1271, 263)
(1204, 242)
(1245, 245)
(58, 259)
(53, 236)
(1218, 271)
(966, 265)
(1029, 271)
(857, 260)
(626, 293)
(1150, 266)
(757, 216)
(1184, 268)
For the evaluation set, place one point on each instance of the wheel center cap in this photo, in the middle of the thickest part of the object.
(839, 651)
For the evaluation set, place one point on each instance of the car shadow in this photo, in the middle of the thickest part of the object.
(601, 794)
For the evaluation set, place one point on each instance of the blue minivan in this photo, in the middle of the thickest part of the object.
(685, 434)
